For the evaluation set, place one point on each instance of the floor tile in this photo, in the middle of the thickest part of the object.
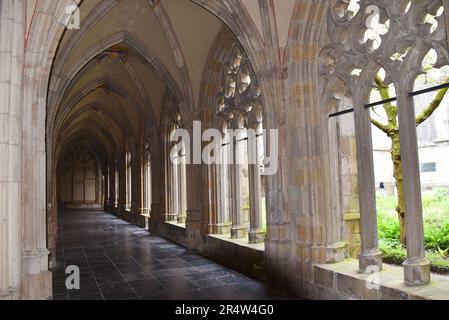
(119, 261)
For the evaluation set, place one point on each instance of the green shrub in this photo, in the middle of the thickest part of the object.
(438, 261)
(389, 227)
(396, 254)
(436, 237)
(436, 229)
(392, 251)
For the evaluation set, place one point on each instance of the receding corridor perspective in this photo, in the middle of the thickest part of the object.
(120, 261)
(220, 149)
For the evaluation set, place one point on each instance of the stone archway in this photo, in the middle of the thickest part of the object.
(42, 42)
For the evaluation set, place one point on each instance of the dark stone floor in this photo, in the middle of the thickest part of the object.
(119, 261)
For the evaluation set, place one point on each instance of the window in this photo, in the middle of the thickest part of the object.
(108, 185)
(147, 178)
(116, 184)
(239, 184)
(428, 167)
(79, 182)
(177, 176)
(128, 171)
(355, 57)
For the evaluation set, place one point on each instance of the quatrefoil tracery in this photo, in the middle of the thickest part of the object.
(366, 36)
(240, 92)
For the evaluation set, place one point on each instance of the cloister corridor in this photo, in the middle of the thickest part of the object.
(221, 149)
(119, 261)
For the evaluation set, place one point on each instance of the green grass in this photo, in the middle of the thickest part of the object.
(436, 230)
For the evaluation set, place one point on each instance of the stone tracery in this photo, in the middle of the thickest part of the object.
(393, 37)
(239, 108)
(60, 83)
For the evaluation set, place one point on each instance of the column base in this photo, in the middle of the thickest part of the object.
(336, 252)
(37, 286)
(238, 232)
(182, 219)
(256, 236)
(222, 228)
(416, 272)
(171, 217)
(370, 261)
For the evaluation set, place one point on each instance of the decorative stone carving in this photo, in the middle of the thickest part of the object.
(368, 35)
(364, 37)
(239, 106)
(240, 91)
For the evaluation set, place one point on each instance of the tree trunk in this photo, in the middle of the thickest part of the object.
(397, 173)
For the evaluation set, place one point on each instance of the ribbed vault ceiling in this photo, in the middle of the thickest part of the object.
(110, 77)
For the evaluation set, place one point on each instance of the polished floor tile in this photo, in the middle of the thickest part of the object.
(119, 261)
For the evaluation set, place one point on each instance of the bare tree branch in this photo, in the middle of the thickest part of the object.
(427, 112)
(381, 126)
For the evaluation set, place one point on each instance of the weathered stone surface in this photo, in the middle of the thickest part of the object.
(124, 93)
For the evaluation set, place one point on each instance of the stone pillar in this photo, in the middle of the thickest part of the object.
(194, 214)
(36, 279)
(335, 246)
(223, 185)
(11, 61)
(106, 188)
(238, 230)
(136, 181)
(159, 196)
(182, 189)
(174, 187)
(122, 187)
(52, 220)
(416, 267)
(256, 233)
(146, 189)
(370, 259)
(167, 178)
(111, 187)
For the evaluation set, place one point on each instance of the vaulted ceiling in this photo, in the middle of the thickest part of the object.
(110, 77)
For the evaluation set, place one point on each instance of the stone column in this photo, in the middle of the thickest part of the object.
(416, 267)
(105, 188)
(256, 234)
(159, 196)
(223, 196)
(238, 230)
(332, 191)
(36, 279)
(182, 189)
(370, 259)
(111, 187)
(122, 187)
(147, 189)
(174, 187)
(136, 181)
(11, 61)
(194, 213)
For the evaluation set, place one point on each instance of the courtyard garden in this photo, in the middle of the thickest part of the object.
(436, 230)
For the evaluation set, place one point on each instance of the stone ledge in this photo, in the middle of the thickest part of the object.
(352, 216)
(9, 294)
(343, 278)
(175, 224)
(174, 232)
(221, 249)
(237, 254)
(241, 242)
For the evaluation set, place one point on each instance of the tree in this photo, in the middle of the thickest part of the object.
(391, 129)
